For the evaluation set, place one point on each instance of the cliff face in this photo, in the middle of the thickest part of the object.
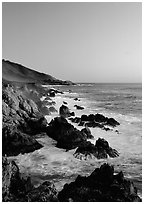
(18, 73)
(21, 120)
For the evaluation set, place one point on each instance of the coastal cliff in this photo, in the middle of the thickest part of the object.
(24, 121)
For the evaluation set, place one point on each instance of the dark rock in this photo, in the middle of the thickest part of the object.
(46, 192)
(94, 124)
(17, 189)
(101, 150)
(76, 99)
(21, 118)
(52, 94)
(65, 134)
(101, 186)
(14, 187)
(84, 118)
(64, 102)
(64, 111)
(15, 142)
(112, 122)
(87, 131)
(97, 120)
(79, 107)
(72, 114)
(100, 118)
(91, 117)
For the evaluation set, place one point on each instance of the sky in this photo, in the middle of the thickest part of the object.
(82, 42)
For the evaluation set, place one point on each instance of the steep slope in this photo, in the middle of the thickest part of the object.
(18, 73)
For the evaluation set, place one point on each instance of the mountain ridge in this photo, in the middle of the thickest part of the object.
(14, 72)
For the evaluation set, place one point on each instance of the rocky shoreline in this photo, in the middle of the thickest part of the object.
(23, 119)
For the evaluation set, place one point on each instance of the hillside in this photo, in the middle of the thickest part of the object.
(18, 73)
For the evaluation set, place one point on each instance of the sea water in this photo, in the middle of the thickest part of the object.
(120, 101)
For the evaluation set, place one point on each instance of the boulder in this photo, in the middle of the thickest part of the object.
(65, 134)
(87, 131)
(64, 111)
(17, 189)
(101, 186)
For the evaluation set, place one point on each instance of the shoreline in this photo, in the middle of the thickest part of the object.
(59, 156)
(59, 98)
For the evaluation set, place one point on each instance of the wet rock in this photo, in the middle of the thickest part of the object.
(64, 102)
(64, 111)
(76, 99)
(79, 107)
(112, 122)
(97, 120)
(72, 114)
(87, 131)
(14, 187)
(15, 142)
(101, 186)
(17, 189)
(46, 192)
(21, 118)
(65, 134)
(101, 150)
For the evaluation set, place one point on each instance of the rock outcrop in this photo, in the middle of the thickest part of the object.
(101, 186)
(101, 150)
(17, 189)
(96, 120)
(21, 120)
(65, 134)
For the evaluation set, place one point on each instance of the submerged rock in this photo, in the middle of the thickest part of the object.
(101, 186)
(101, 150)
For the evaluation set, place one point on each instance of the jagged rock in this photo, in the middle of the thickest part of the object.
(101, 150)
(14, 187)
(101, 186)
(15, 142)
(52, 94)
(46, 192)
(87, 131)
(20, 118)
(64, 102)
(65, 134)
(96, 120)
(17, 189)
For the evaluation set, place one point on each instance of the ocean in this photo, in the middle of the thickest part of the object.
(120, 101)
